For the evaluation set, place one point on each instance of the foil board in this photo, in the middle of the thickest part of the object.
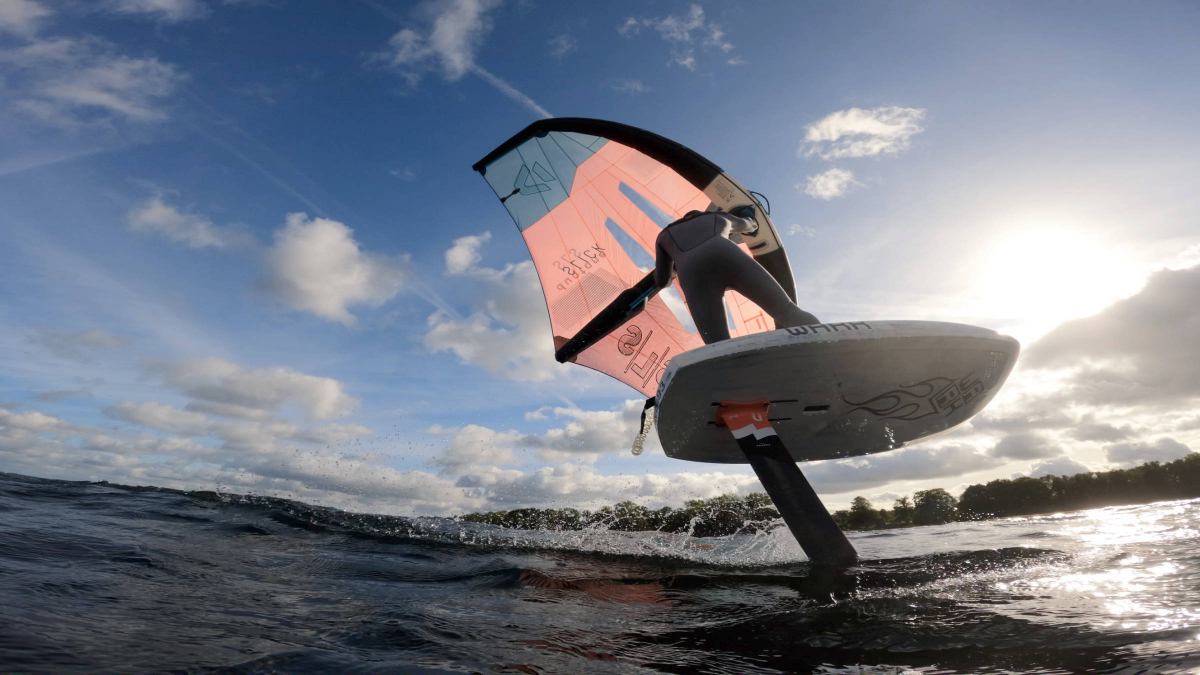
(835, 390)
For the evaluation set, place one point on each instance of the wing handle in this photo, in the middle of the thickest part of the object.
(624, 307)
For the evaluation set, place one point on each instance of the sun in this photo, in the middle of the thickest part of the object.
(1040, 276)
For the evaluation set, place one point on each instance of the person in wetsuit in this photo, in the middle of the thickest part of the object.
(698, 247)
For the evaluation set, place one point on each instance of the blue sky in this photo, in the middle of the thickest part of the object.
(241, 243)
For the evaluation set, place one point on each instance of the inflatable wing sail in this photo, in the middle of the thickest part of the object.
(590, 198)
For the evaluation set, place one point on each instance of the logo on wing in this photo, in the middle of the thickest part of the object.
(532, 182)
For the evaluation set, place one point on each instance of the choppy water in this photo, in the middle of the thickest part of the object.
(97, 579)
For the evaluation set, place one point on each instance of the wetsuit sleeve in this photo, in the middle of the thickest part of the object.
(663, 265)
(742, 225)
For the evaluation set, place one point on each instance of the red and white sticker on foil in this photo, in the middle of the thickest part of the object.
(746, 419)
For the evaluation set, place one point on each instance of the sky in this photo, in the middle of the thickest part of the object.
(242, 247)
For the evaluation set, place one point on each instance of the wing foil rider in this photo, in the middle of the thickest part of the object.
(698, 249)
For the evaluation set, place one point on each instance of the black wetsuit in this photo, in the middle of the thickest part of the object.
(708, 263)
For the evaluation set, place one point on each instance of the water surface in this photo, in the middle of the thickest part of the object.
(100, 579)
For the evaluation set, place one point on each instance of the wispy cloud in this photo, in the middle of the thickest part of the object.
(155, 216)
(448, 35)
(168, 11)
(510, 91)
(682, 33)
(22, 17)
(62, 395)
(862, 133)
(561, 45)
(85, 82)
(829, 184)
(78, 346)
(627, 86)
(406, 174)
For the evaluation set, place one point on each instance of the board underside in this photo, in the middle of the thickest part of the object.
(836, 390)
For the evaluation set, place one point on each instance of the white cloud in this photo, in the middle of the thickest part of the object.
(627, 86)
(221, 387)
(561, 45)
(22, 17)
(1088, 429)
(679, 28)
(449, 34)
(170, 11)
(1057, 466)
(582, 487)
(145, 444)
(862, 133)
(918, 463)
(682, 33)
(85, 83)
(585, 436)
(589, 433)
(161, 417)
(1133, 454)
(1023, 445)
(454, 31)
(274, 436)
(829, 184)
(78, 346)
(279, 458)
(805, 230)
(1140, 351)
(510, 336)
(463, 257)
(37, 422)
(476, 445)
(251, 458)
(317, 266)
(154, 216)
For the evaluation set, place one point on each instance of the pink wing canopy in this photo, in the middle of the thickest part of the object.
(590, 198)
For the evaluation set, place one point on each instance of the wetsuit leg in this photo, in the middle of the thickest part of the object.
(705, 296)
(744, 275)
(708, 269)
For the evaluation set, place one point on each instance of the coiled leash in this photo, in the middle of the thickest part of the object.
(647, 420)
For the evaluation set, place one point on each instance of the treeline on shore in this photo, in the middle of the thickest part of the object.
(730, 514)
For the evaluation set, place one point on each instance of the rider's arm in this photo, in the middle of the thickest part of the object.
(664, 268)
(744, 222)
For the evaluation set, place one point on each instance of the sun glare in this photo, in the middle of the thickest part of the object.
(1040, 277)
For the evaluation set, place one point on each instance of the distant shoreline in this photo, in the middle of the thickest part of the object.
(1003, 498)
(732, 514)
